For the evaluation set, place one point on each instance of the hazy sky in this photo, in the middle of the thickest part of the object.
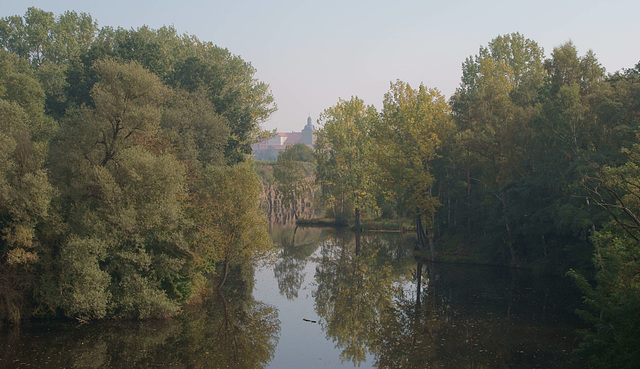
(313, 52)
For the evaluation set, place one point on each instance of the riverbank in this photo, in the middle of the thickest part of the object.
(368, 225)
(449, 249)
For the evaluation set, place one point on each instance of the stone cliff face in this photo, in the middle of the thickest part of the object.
(277, 213)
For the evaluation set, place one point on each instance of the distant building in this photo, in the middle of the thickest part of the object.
(271, 148)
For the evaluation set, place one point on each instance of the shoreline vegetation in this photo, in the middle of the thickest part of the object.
(532, 164)
(452, 251)
(367, 225)
(127, 188)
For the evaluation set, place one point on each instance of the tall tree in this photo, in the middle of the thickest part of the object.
(414, 124)
(232, 88)
(184, 62)
(343, 149)
(611, 304)
(25, 191)
(122, 250)
(39, 36)
(240, 228)
(494, 109)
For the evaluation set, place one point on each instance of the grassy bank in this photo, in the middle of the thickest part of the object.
(322, 222)
(388, 225)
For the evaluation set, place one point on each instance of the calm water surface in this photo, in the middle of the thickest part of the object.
(332, 301)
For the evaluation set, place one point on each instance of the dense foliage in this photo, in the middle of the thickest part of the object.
(612, 305)
(344, 150)
(125, 183)
(532, 163)
(503, 163)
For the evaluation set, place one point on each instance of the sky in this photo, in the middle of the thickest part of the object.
(312, 53)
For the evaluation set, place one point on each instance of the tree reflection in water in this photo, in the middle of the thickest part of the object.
(297, 244)
(369, 304)
(409, 315)
(354, 287)
(232, 330)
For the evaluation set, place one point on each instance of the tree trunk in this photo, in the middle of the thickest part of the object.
(422, 235)
(224, 274)
(468, 196)
(293, 239)
(514, 255)
(432, 248)
(419, 285)
(419, 232)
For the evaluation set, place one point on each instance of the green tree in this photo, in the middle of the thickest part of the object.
(494, 104)
(73, 34)
(13, 35)
(191, 124)
(127, 101)
(343, 150)
(117, 220)
(70, 44)
(240, 228)
(184, 62)
(235, 93)
(298, 152)
(39, 36)
(414, 124)
(25, 191)
(572, 135)
(122, 252)
(611, 305)
(28, 36)
(503, 151)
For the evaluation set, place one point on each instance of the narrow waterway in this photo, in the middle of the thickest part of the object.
(332, 300)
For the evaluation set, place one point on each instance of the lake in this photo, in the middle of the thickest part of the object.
(332, 300)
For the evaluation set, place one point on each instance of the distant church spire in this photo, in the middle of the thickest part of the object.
(307, 133)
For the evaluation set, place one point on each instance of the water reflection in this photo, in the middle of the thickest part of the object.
(297, 245)
(234, 330)
(374, 304)
(374, 298)
(228, 331)
(355, 285)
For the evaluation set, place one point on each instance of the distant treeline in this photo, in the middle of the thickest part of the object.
(124, 182)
